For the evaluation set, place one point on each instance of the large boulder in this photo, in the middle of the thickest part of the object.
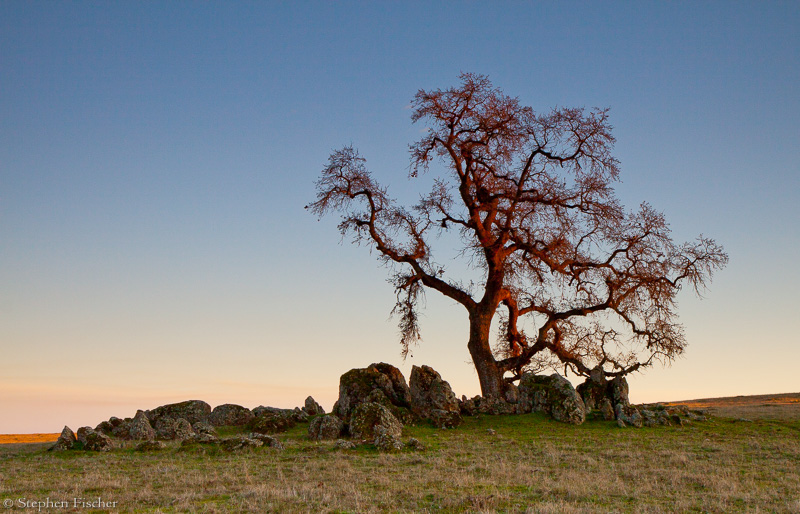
(594, 390)
(618, 391)
(551, 394)
(325, 427)
(139, 429)
(191, 410)
(93, 440)
(432, 398)
(378, 383)
(173, 429)
(66, 441)
(230, 414)
(369, 420)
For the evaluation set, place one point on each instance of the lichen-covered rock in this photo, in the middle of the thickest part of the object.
(240, 443)
(201, 427)
(415, 444)
(177, 429)
(594, 390)
(629, 415)
(378, 383)
(369, 419)
(200, 438)
(312, 408)
(139, 428)
(343, 444)
(66, 441)
(618, 391)
(490, 406)
(105, 427)
(387, 442)
(606, 410)
(272, 421)
(326, 427)
(150, 446)
(267, 440)
(432, 398)
(554, 395)
(297, 415)
(93, 440)
(230, 414)
(191, 410)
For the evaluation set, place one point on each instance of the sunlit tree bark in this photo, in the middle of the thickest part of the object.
(531, 198)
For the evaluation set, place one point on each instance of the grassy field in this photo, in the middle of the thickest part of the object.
(523, 464)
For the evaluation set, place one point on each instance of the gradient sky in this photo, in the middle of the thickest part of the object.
(155, 159)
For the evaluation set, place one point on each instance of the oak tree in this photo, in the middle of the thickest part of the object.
(571, 278)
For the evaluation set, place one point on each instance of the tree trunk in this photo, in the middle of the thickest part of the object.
(489, 374)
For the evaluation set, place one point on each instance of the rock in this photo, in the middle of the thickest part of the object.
(139, 428)
(240, 443)
(191, 410)
(432, 398)
(325, 427)
(201, 427)
(378, 383)
(511, 395)
(491, 431)
(93, 440)
(594, 390)
(122, 430)
(415, 444)
(386, 441)
(177, 429)
(312, 408)
(105, 427)
(66, 441)
(371, 419)
(551, 394)
(267, 440)
(342, 444)
(300, 416)
(606, 410)
(272, 421)
(201, 438)
(629, 415)
(618, 391)
(150, 446)
(230, 414)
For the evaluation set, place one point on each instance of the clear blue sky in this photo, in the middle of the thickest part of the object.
(155, 159)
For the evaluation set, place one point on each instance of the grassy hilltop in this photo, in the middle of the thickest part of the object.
(523, 463)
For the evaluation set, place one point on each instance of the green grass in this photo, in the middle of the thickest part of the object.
(529, 464)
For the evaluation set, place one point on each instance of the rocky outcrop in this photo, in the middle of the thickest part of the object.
(370, 419)
(191, 410)
(270, 421)
(488, 406)
(312, 408)
(66, 441)
(326, 427)
(553, 395)
(139, 428)
(94, 441)
(201, 427)
(230, 414)
(173, 429)
(378, 383)
(432, 398)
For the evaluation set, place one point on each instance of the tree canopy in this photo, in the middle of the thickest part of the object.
(573, 278)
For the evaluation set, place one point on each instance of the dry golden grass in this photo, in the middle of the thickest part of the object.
(27, 438)
(530, 464)
(773, 406)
